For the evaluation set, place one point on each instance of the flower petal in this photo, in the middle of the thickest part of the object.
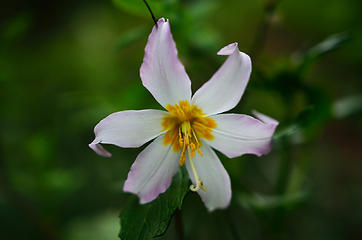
(161, 72)
(238, 134)
(127, 129)
(151, 174)
(224, 90)
(214, 178)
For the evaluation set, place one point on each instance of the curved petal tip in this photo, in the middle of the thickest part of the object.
(229, 49)
(162, 20)
(99, 149)
(160, 23)
(265, 119)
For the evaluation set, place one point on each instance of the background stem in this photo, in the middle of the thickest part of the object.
(261, 33)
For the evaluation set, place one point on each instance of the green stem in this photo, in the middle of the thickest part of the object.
(150, 10)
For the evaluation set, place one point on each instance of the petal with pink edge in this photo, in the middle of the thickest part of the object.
(127, 129)
(151, 174)
(238, 134)
(214, 178)
(224, 90)
(161, 72)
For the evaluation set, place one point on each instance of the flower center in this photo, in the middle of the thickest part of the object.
(186, 125)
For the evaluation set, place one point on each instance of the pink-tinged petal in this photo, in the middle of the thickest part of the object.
(228, 49)
(224, 90)
(265, 118)
(127, 129)
(214, 177)
(238, 134)
(99, 149)
(161, 72)
(151, 174)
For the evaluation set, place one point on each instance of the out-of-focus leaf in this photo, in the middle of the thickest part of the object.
(128, 37)
(96, 227)
(201, 9)
(134, 7)
(303, 119)
(263, 202)
(307, 122)
(15, 28)
(137, 7)
(347, 106)
(286, 131)
(329, 44)
(152, 219)
(204, 39)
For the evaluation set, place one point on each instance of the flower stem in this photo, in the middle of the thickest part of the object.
(152, 15)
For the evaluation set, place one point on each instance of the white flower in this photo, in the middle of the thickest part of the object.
(189, 128)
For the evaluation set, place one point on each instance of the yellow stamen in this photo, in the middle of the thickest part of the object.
(186, 125)
(180, 140)
(182, 158)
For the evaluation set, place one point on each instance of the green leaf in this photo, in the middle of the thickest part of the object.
(264, 202)
(15, 28)
(297, 125)
(131, 36)
(132, 6)
(329, 44)
(137, 7)
(309, 122)
(152, 219)
(347, 106)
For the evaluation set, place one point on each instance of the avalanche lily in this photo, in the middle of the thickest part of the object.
(186, 133)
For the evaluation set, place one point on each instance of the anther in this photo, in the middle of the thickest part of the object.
(182, 157)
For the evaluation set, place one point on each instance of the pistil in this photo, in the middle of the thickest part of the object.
(199, 184)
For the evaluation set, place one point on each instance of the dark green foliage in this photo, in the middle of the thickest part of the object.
(138, 7)
(329, 44)
(65, 65)
(152, 219)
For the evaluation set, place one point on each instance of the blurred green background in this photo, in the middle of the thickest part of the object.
(65, 65)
